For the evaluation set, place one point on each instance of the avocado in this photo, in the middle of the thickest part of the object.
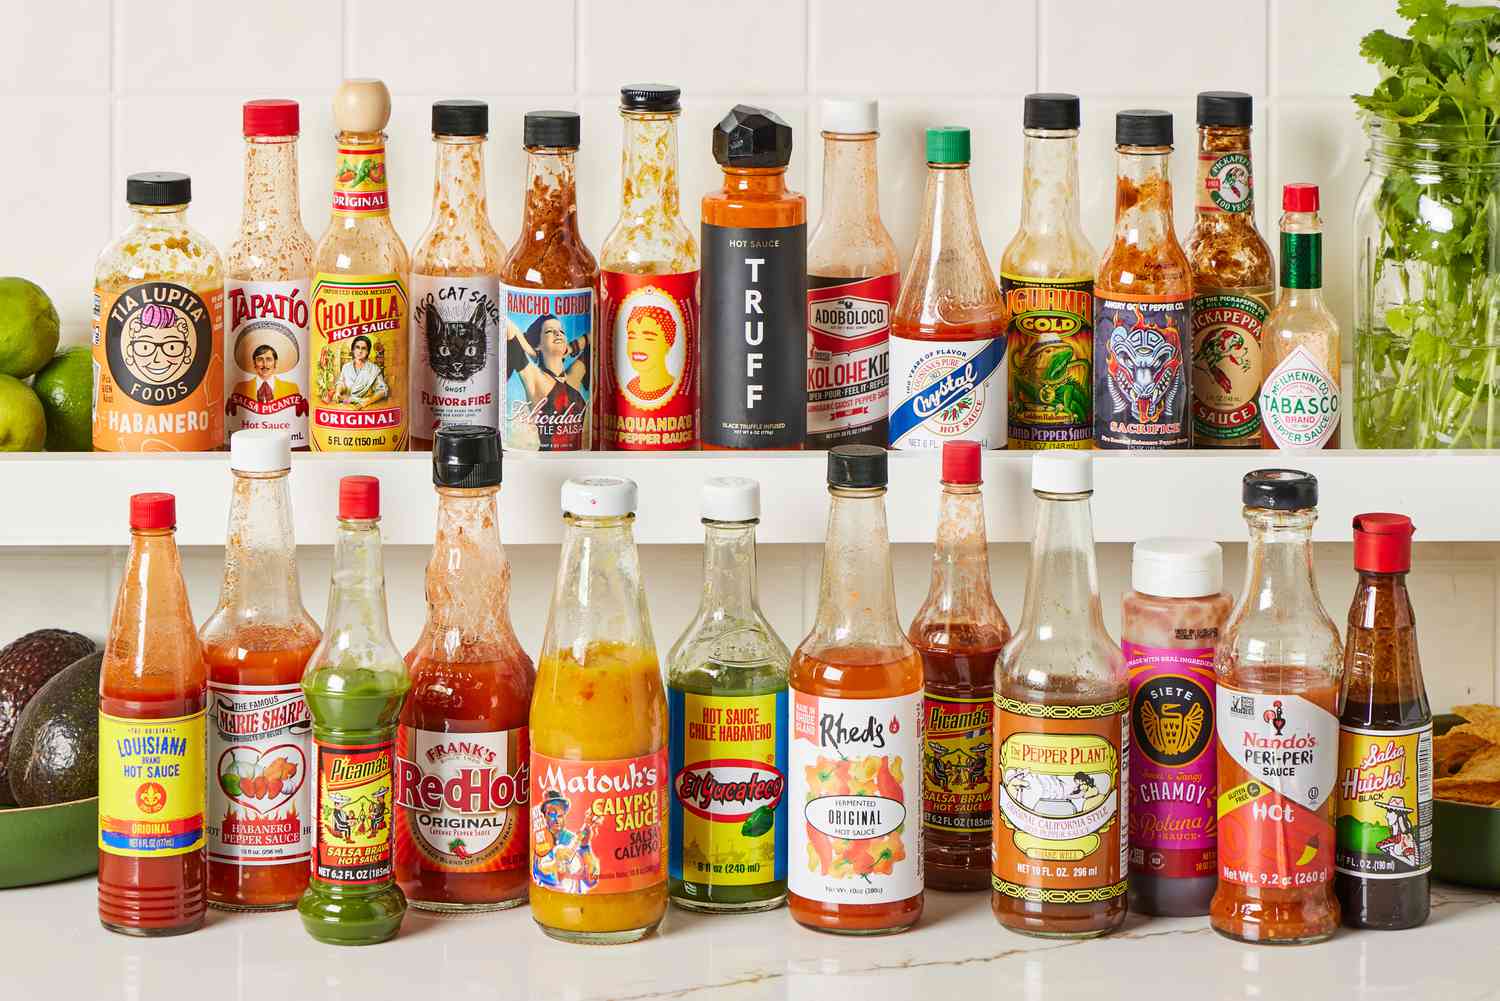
(25, 666)
(54, 755)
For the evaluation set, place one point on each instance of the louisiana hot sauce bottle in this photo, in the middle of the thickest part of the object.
(1278, 669)
(754, 289)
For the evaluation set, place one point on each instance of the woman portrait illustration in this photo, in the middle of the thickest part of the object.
(653, 346)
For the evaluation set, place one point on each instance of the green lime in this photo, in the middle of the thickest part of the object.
(28, 327)
(23, 426)
(66, 388)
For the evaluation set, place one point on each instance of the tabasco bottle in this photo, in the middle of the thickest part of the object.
(257, 643)
(461, 750)
(959, 631)
(1062, 730)
(152, 694)
(855, 850)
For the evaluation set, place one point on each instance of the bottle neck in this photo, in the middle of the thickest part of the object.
(260, 555)
(1302, 255)
(459, 173)
(271, 198)
(1225, 195)
(851, 180)
(151, 613)
(857, 596)
(160, 216)
(598, 597)
(948, 208)
(468, 567)
(756, 183)
(1143, 196)
(1280, 567)
(1049, 192)
(648, 163)
(551, 192)
(1063, 578)
(960, 586)
(729, 575)
(359, 179)
(356, 599)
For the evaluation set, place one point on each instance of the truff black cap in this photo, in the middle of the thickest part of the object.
(857, 467)
(1051, 111)
(1143, 127)
(1280, 490)
(752, 137)
(460, 118)
(1225, 108)
(650, 97)
(158, 187)
(466, 455)
(552, 128)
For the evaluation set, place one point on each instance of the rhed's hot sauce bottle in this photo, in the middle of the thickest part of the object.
(257, 643)
(1143, 293)
(1062, 730)
(152, 694)
(360, 307)
(461, 750)
(647, 397)
(854, 858)
(852, 283)
(1047, 275)
(1278, 669)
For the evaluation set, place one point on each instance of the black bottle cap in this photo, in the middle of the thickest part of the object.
(460, 118)
(1224, 107)
(1051, 111)
(650, 97)
(552, 128)
(752, 137)
(1280, 490)
(466, 455)
(158, 187)
(857, 467)
(1143, 127)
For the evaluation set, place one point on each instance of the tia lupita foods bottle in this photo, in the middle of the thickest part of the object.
(852, 284)
(354, 685)
(754, 289)
(360, 306)
(1062, 730)
(648, 290)
(257, 643)
(854, 858)
(727, 702)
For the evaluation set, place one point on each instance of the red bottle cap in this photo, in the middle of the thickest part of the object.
(1382, 543)
(274, 117)
(1299, 198)
(961, 462)
(149, 512)
(359, 498)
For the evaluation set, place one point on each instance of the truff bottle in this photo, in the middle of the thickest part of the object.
(1062, 730)
(1047, 275)
(726, 699)
(852, 283)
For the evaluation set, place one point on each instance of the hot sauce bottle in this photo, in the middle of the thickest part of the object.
(1062, 730)
(152, 694)
(754, 289)
(852, 284)
(959, 632)
(461, 750)
(1143, 293)
(257, 643)
(547, 287)
(647, 398)
(1278, 668)
(1383, 862)
(854, 858)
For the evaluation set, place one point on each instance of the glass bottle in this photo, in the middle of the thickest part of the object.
(598, 733)
(152, 693)
(647, 398)
(1047, 275)
(726, 698)
(354, 685)
(461, 750)
(853, 278)
(855, 853)
(948, 370)
(1278, 667)
(959, 632)
(159, 327)
(1143, 293)
(455, 284)
(1062, 730)
(257, 643)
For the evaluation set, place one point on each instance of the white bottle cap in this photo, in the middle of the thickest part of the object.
(1177, 568)
(599, 496)
(1060, 472)
(260, 451)
(731, 498)
(850, 115)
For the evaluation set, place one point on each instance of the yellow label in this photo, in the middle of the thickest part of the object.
(1384, 826)
(1231, 800)
(151, 785)
(359, 369)
(359, 182)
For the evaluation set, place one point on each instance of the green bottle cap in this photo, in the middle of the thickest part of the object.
(948, 144)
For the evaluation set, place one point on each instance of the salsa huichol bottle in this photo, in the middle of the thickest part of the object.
(727, 704)
(354, 686)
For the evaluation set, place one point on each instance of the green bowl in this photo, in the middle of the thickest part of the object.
(39, 844)
(1465, 837)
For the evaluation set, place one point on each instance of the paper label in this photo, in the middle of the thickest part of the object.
(548, 368)
(259, 750)
(1051, 361)
(1384, 822)
(151, 785)
(947, 391)
(455, 352)
(354, 813)
(848, 356)
(1227, 366)
(359, 186)
(957, 785)
(1300, 402)
(266, 357)
(598, 826)
(1140, 372)
(359, 358)
(461, 799)
(1225, 182)
(648, 375)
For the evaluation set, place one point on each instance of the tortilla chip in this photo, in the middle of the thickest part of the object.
(1481, 792)
(1452, 749)
(1482, 766)
(1478, 711)
(1484, 721)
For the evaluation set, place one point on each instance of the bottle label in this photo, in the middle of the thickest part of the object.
(1174, 774)
(1061, 835)
(848, 356)
(856, 799)
(1274, 825)
(754, 336)
(1140, 379)
(1300, 402)
(648, 362)
(354, 813)
(548, 367)
(1227, 366)
(266, 367)
(359, 357)
(158, 369)
(359, 183)
(1385, 802)
(957, 793)
(1301, 260)
(461, 800)
(1225, 182)
(1051, 338)
(598, 826)
(259, 748)
(947, 391)
(151, 785)
(455, 352)
(729, 818)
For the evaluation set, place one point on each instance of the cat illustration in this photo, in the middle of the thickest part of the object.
(455, 348)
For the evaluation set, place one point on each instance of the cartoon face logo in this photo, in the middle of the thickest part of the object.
(650, 348)
(1235, 185)
(1144, 359)
(455, 347)
(158, 345)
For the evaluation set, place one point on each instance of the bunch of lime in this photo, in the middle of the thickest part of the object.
(56, 410)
